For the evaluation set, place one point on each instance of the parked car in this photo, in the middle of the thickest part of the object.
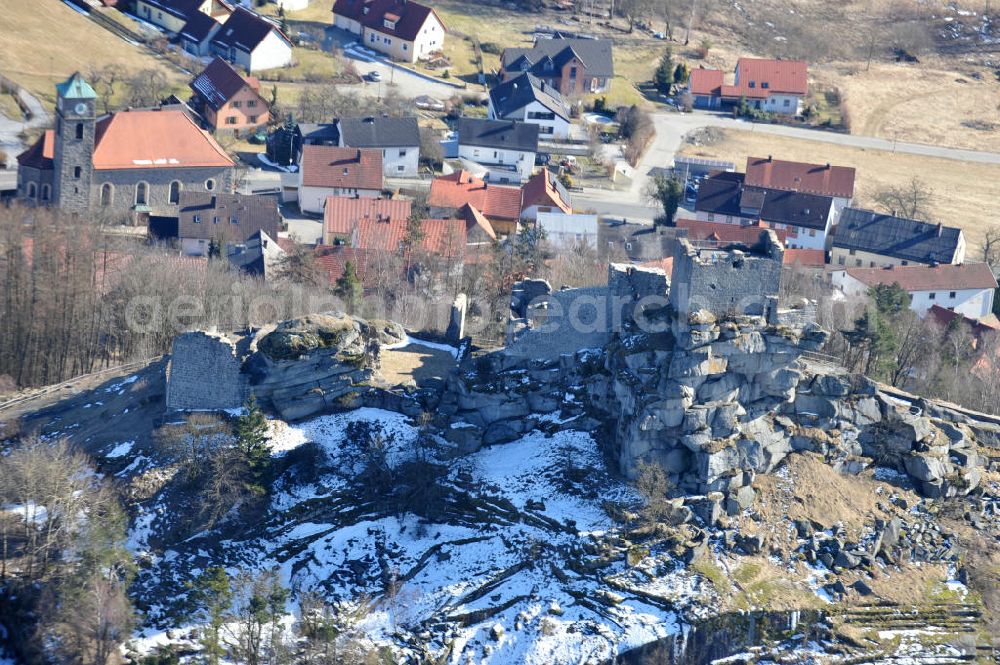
(542, 159)
(374, 76)
(659, 35)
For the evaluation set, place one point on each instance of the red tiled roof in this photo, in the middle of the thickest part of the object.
(541, 190)
(342, 213)
(781, 76)
(944, 277)
(459, 188)
(39, 155)
(977, 327)
(800, 177)
(148, 139)
(344, 168)
(665, 264)
(721, 232)
(807, 258)
(476, 221)
(442, 237)
(409, 16)
(767, 76)
(369, 265)
(706, 81)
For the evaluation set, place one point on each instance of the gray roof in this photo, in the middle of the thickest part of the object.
(379, 132)
(314, 132)
(516, 93)
(898, 237)
(501, 134)
(725, 194)
(231, 218)
(596, 55)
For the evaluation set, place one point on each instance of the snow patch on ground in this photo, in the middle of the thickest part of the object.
(409, 341)
(121, 450)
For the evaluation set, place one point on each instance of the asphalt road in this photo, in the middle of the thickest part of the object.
(672, 127)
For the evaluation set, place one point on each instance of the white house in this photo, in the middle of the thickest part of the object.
(776, 86)
(252, 42)
(328, 170)
(966, 288)
(506, 148)
(401, 29)
(397, 138)
(568, 231)
(529, 99)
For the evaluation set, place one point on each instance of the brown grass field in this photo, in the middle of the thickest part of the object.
(44, 41)
(964, 194)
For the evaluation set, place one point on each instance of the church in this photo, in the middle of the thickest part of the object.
(123, 167)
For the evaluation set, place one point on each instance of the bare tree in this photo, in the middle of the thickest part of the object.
(911, 200)
(991, 249)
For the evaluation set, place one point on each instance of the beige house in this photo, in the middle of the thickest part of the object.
(403, 30)
(173, 15)
(867, 239)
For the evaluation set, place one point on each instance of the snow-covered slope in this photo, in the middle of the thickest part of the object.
(516, 571)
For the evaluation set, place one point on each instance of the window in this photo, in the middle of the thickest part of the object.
(252, 118)
(406, 47)
(400, 168)
(871, 264)
(209, 184)
(402, 153)
(79, 130)
(77, 172)
(389, 24)
(711, 217)
(197, 219)
(765, 85)
(174, 193)
(141, 194)
(215, 219)
(853, 252)
(236, 104)
(371, 37)
(251, 103)
(931, 295)
(812, 233)
(840, 261)
(46, 192)
(231, 120)
(234, 220)
(107, 194)
(906, 263)
(857, 262)
(952, 294)
(788, 102)
(32, 189)
(753, 84)
(572, 72)
(546, 130)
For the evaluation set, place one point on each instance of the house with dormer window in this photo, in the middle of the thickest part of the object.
(571, 66)
(402, 30)
(776, 86)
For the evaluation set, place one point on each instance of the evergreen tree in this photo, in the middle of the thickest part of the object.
(681, 74)
(663, 78)
(349, 288)
(214, 249)
(251, 439)
(211, 598)
(668, 192)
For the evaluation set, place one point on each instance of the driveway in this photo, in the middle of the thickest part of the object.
(405, 82)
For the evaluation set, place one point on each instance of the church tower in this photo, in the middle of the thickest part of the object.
(73, 157)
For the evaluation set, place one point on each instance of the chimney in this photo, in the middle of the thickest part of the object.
(940, 229)
(893, 212)
(769, 159)
(828, 166)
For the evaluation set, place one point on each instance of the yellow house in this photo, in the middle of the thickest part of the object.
(172, 15)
